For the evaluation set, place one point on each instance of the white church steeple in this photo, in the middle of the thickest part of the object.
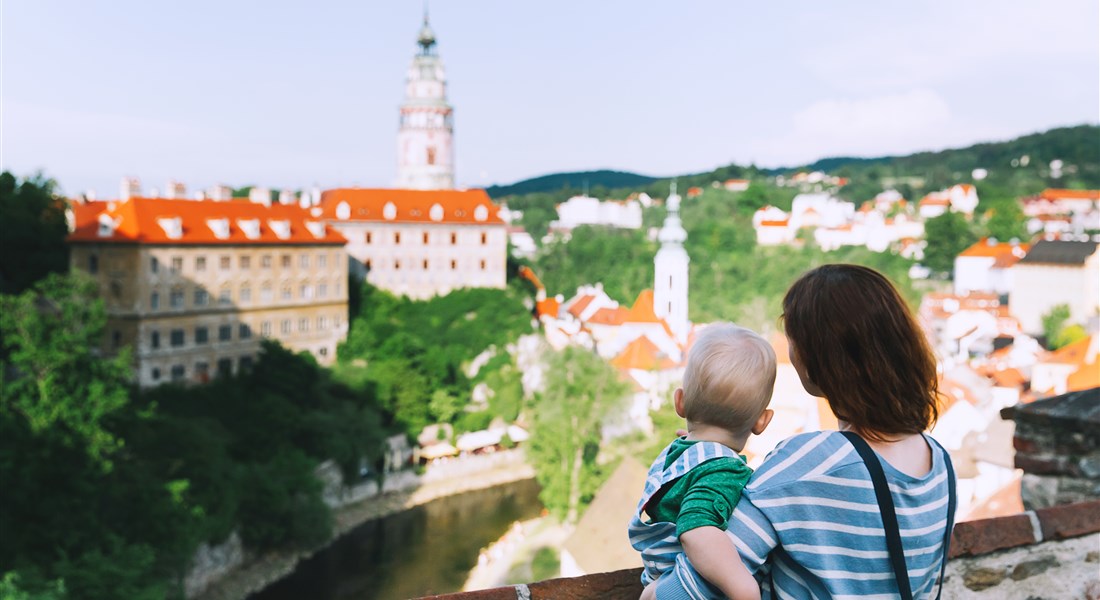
(425, 146)
(670, 285)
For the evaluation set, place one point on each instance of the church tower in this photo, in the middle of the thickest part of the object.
(425, 147)
(670, 286)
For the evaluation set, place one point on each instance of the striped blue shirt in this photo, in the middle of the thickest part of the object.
(808, 526)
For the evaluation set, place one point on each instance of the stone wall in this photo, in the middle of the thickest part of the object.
(1057, 445)
(1052, 553)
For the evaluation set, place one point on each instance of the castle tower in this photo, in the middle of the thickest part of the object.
(425, 147)
(670, 286)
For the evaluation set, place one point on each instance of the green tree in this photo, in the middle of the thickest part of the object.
(581, 390)
(947, 235)
(54, 376)
(32, 232)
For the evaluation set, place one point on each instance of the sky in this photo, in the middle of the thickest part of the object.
(302, 94)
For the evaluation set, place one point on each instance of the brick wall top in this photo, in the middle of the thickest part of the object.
(971, 538)
(1075, 411)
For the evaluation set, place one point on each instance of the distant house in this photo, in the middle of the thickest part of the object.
(985, 266)
(1056, 272)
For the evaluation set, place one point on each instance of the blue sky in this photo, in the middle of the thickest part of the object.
(295, 94)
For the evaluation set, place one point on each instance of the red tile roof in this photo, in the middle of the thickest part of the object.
(643, 354)
(410, 206)
(150, 220)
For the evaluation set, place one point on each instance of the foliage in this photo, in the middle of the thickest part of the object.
(53, 376)
(581, 389)
(415, 352)
(947, 235)
(32, 232)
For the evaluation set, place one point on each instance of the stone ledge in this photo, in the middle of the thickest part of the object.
(970, 539)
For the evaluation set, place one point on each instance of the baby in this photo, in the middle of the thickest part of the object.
(696, 481)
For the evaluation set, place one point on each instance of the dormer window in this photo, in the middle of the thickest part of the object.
(107, 226)
(220, 228)
(250, 227)
(316, 228)
(172, 226)
(280, 227)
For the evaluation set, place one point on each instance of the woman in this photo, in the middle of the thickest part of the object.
(809, 524)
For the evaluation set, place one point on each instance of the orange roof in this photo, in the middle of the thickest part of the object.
(1059, 194)
(609, 316)
(643, 354)
(410, 206)
(86, 212)
(185, 222)
(578, 307)
(642, 311)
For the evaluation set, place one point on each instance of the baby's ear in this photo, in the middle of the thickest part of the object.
(762, 422)
(678, 401)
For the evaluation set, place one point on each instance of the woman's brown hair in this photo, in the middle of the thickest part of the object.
(859, 343)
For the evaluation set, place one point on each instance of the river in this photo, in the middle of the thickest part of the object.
(425, 550)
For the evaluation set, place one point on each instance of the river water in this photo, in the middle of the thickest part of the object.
(425, 550)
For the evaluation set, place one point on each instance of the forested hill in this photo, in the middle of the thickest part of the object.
(578, 181)
(1078, 147)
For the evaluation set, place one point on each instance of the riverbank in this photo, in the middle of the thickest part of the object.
(259, 572)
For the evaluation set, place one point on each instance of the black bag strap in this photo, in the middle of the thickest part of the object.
(886, 509)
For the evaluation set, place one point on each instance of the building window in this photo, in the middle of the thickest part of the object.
(303, 261)
(368, 237)
(306, 291)
(284, 261)
(425, 264)
(178, 372)
(397, 237)
(303, 324)
(454, 265)
(265, 261)
(425, 237)
(176, 338)
(266, 294)
(225, 333)
(285, 326)
(154, 264)
(225, 263)
(175, 298)
(265, 329)
(245, 364)
(454, 239)
(245, 262)
(155, 373)
(244, 331)
(322, 261)
(200, 263)
(202, 372)
(154, 300)
(202, 298)
(287, 293)
(93, 264)
(246, 294)
(225, 367)
(202, 335)
(322, 290)
(225, 297)
(177, 265)
(484, 239)
(154, 340)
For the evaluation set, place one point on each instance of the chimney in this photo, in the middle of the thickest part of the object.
(129, 188)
